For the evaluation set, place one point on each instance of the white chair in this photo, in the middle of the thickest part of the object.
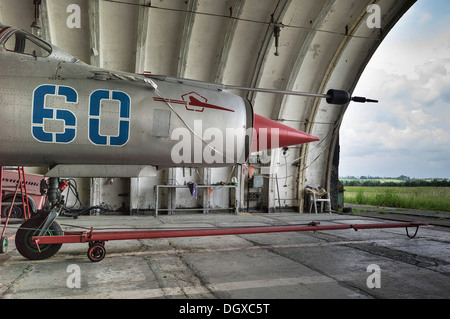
(318, 196)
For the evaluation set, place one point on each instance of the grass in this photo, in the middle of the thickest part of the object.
(425, 198)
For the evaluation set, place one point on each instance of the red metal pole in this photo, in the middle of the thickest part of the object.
(23, 187)
(10, 210)
(72, 237)
(1, 192)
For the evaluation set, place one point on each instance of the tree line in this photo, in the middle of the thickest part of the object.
(397, 183)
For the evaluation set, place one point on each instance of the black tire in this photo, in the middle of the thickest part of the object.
(17, 211)
(27, 248)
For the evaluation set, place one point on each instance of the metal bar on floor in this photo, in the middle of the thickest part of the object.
(82, 237)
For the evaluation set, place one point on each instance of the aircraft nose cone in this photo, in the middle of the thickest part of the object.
(271, 135)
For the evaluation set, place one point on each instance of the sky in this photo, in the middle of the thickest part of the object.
(408, 132)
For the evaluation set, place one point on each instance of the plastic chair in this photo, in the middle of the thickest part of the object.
(316, 196)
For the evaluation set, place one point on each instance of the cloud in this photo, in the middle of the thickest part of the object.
(408, 131)
(433, 81)
(425, 18)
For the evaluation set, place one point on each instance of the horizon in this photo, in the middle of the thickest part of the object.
(391, 177)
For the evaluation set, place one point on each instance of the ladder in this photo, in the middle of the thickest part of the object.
(22, 184)
(23, 188)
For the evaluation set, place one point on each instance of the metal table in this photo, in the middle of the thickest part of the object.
(216, 187)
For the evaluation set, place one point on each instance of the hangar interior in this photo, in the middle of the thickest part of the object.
(296, 45)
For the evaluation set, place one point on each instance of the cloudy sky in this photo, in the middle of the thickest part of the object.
(408, 132)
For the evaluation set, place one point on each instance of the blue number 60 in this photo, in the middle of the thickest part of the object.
(40, 113)
(94, 118)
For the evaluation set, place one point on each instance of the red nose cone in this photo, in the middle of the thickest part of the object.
(271, 134)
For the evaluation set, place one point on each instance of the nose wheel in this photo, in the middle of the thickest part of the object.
(28, 248)
(96, 251)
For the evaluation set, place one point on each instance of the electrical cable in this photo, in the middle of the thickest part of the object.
(73, 188)
(269, 24)
(328, 136)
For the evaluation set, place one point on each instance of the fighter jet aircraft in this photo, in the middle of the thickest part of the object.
(56, 110)
(61, 113)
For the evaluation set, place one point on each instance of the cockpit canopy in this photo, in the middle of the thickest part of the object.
(22, 42)
(26, 43)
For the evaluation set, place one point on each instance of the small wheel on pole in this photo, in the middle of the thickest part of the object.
(96, 252)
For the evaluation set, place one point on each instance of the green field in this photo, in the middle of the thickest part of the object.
(426, 198)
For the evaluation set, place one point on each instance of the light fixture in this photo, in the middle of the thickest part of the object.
(36, 27)
(276, 34)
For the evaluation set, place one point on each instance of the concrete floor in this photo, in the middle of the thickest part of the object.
(321, 265)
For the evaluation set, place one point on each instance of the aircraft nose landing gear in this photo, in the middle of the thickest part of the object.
(28, 248)
(42, 225)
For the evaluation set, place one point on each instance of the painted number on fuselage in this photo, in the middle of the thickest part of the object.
(41, 113)
(94, 118)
